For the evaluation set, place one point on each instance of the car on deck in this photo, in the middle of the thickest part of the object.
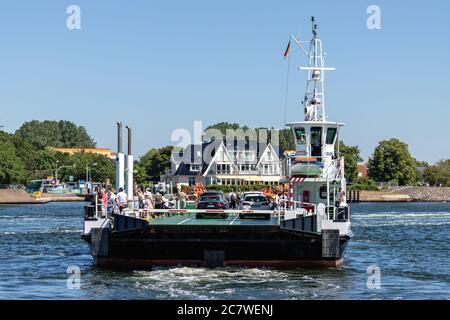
(212, 201)
(254, 202)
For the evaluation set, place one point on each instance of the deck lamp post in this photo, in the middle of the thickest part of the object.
(62, 167)
(88, 179)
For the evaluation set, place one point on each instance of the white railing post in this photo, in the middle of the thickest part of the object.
(96, 206)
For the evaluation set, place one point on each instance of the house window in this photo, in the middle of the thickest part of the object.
(191, 181)
(195, 167)
(245, 167)
(223, 168)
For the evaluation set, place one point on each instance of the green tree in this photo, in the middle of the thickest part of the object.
(391, 160)
(438, 174)
(224, 126)
(103, 171)
(420, 166)
(59, 134)
(285, 136)
(140, 174)
(12, 168)
(352, 155)
(155, 163)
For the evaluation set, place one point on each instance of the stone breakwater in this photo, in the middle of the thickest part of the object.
(425, 193)
(407, 194)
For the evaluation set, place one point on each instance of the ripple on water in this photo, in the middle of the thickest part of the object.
(38, 243)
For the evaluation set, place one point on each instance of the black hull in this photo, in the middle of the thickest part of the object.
(212, 246)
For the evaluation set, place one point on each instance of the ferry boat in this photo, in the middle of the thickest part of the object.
(313, 230)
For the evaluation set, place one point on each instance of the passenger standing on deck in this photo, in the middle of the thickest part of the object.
(100, 203)
(104, 197)
(141, 198)
(283, 201)
(122, 199)
(276, 200)
(148, 203)
(183, 200)
(342, 199)
(111, 201)
(233, 200)
(159, 202)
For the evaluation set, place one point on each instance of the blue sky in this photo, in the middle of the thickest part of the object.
(160, 65)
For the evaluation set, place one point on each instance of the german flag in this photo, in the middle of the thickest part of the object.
(286, 53)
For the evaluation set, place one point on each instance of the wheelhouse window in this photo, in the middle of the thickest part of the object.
(331, 135)
(300, 135)
(316, 141)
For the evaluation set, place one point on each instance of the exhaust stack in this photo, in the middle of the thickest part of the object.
(120, 160)
(129, 183)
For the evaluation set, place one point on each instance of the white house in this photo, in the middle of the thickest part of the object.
(226, 163)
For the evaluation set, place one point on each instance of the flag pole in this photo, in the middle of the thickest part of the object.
(287, 90)
(300, 45)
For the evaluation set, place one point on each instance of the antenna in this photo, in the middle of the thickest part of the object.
(314, 100)
(314, 27)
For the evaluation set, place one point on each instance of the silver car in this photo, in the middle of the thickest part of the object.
(255, 202)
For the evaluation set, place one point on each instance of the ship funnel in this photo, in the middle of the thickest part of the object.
(120, 160)
(129, 181)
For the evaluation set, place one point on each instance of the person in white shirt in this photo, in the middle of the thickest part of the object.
(283, 201)
(122, 199)
(342, 199)
(165, 202)
(111, 202)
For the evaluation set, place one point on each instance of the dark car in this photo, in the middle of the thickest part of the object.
(255, 202)
(214, 193)
(212, 202)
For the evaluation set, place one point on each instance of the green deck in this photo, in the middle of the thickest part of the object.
(189, 219)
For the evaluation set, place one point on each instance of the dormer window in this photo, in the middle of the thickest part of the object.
(195, 167)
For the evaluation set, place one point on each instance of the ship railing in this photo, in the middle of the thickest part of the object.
(310, 208)
(147, 214)
(337, 164)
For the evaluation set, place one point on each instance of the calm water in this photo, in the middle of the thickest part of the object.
(410, 243)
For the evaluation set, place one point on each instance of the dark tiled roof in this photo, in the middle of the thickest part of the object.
(193, 154)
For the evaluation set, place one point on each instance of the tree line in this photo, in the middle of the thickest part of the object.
(29, 153)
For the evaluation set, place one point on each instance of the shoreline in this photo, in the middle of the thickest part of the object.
(408, 194)
(15, 196)
(401, 194)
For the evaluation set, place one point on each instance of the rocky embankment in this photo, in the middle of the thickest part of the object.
(407, 194)
(435, 194)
